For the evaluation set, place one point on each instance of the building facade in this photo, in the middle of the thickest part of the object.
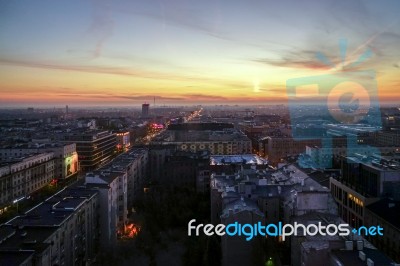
(93, 147)
(61, 231)
(22, 176)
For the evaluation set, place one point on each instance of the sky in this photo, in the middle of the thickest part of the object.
(125, 52)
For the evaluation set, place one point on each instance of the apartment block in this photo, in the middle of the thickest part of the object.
(63, 230)
(94, 147)
(65, 155)
(20, 177)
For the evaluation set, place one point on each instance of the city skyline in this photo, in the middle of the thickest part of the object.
(186, 52)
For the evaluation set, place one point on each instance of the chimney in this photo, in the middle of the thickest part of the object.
(370, 262)
(362, 256)
(348, 244)
(360, 245)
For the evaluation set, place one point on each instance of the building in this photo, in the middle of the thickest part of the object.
(227, 141)
(217, 138)
(20, 177)
(190, 169)
(235, 249)
(364, 180)
(253, 194)
(123, 141)
(324, 157)
(60, 231)
(172, 167)
(320, 250)
(157, 158)
(358, 257)
(135, 164)
(65, 156)
(112, 190)
(389, 138)
(93, 147)
(145, 110)
(231, 164)
(385, 212)
(276, 148)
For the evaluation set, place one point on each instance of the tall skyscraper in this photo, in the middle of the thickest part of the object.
(145, 110)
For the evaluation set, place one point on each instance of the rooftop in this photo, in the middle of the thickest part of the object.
(240, 205)
(351, 257)
(56, 209)
(15, 257)
(237, 159)
(376, 161)
(388, 210)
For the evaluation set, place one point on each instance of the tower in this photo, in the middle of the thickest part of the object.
(145, 110)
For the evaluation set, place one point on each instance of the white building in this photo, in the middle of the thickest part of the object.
(22, 176)
(65, 156)
(112, 187)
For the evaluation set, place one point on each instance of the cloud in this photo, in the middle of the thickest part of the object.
(111, 96)
(96, 69)
(291, 62)
(203, 97)
(181, 14)
(149, 97)
(102, 26)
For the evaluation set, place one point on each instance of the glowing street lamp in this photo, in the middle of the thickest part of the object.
(18, 200)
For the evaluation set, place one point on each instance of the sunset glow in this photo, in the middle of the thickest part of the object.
(186, 52)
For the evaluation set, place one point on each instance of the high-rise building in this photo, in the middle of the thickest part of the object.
(93, 147)
(145, 110)
(364, 181)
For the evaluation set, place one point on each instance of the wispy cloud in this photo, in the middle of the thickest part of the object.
(102, 26)
(148, 97)
(300, 59)
(180, 14)
(204, 97)
(98, 69)
(180, 97)
(96, 96)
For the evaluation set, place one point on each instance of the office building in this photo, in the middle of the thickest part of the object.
(145, 110)
(93, 147)
(364, 180)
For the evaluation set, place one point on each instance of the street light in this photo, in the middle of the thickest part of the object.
(18, 200)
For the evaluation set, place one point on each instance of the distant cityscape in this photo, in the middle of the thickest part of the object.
(199, 133)
(102, 186)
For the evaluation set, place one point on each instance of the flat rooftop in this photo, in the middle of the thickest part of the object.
(237, 159)
(55, 210)
(351, 257)
(388, 210)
